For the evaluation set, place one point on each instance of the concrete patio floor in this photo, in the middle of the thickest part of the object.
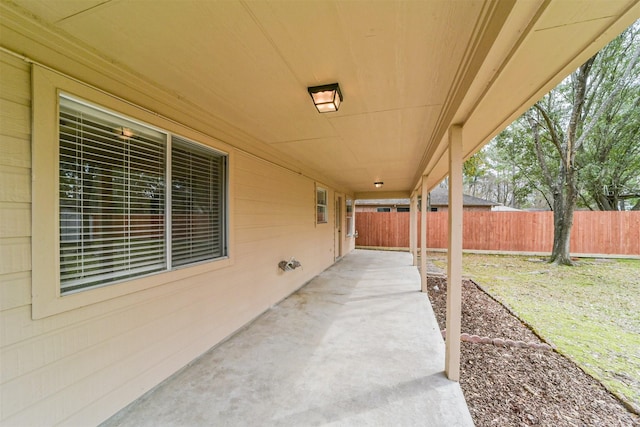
(358, 345)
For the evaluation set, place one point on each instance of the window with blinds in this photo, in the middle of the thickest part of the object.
(113, 199)
(321, 205)
(197, 203)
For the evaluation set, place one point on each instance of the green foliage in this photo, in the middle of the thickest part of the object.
(516, 162)
(605, 145)
(475, 166)
(610, 168)
(474, 169)
(610, 165)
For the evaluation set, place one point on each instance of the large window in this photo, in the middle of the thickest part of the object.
(118, 220)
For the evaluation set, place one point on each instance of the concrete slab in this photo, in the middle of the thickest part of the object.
(358, 345)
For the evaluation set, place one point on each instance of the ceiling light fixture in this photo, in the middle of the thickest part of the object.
(326, 98)
(378, 184)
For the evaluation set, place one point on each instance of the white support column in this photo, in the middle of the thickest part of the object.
(454, 268)
(423, 235)
(413, 228)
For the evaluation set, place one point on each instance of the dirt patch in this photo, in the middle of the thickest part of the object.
(522, 385)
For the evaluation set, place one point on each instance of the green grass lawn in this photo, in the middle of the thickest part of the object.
(590, 312)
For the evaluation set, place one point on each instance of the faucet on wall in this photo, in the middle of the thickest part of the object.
(290, 265)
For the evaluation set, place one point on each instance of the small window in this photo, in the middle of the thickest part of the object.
(434, 209)
(321, 205)
(383, 209)
(350, 218)
(403, 209)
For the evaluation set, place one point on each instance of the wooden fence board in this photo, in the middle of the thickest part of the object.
(615, 233)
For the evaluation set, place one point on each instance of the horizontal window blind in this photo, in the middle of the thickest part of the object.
(321, 205)
(197, 203)
(112, 197)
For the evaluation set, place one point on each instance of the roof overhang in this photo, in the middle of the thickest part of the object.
(239, 70)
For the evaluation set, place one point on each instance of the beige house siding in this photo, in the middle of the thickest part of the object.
(81, 366)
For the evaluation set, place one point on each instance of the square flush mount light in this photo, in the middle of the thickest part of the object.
(326, 98)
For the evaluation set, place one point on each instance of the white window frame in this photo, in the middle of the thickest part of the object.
(324, 207)
(46, 295)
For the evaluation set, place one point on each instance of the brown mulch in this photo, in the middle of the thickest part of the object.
(512, 386)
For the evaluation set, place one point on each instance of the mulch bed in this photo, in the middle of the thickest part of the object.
(521, 386)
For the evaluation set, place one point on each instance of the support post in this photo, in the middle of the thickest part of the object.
(454, 267)
(423, 235)
(413, 229)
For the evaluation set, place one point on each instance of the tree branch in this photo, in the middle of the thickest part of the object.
(586, 202)
(543, 163)
(578, 104)
(554, 136)
(622, 81)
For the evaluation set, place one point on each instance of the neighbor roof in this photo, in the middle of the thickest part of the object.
(383, 202)
(439, 197)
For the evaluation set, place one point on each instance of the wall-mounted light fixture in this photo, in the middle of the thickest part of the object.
(378, 184)
(326, 98)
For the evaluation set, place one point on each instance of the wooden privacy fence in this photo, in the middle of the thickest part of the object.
(612, 233)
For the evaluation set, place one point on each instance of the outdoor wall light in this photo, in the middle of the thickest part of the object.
(326, 98)
(378, 184)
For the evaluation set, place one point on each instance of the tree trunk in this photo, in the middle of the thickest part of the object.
(566, 189)
(604, 203)
(562, 224)
(564, 201)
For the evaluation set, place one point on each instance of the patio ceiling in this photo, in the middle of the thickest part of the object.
(407, 69)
